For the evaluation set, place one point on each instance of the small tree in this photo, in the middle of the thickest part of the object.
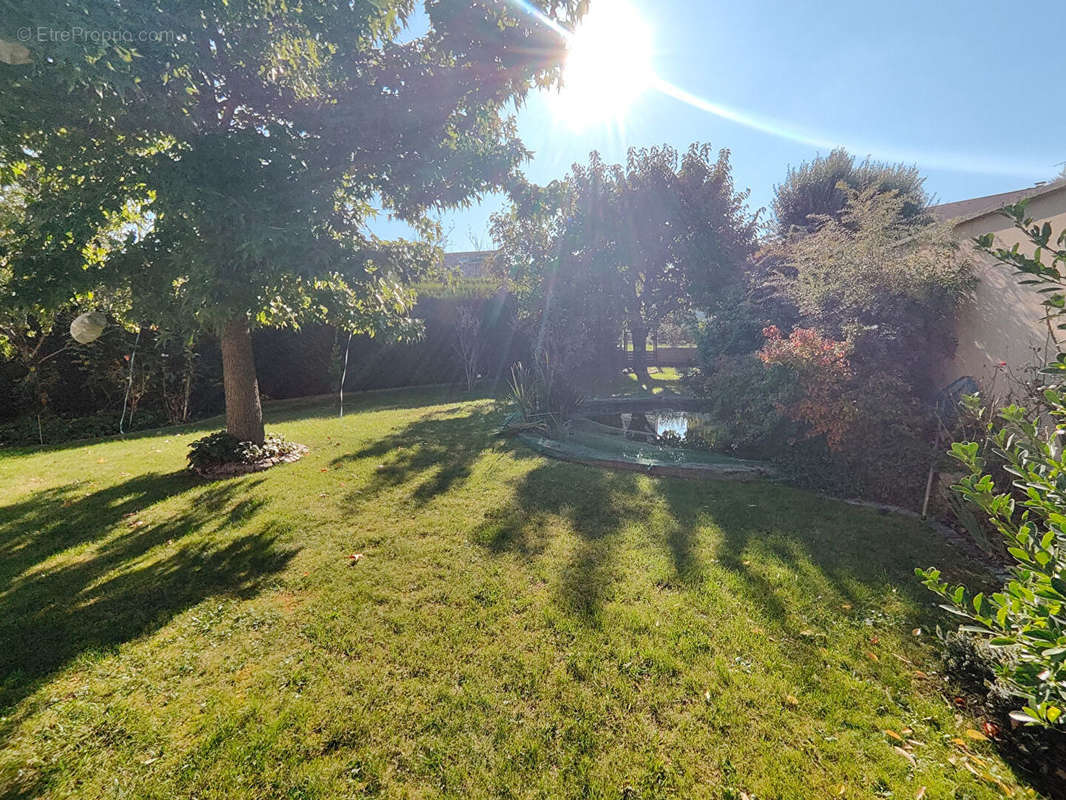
(889, 285)
(468, 341)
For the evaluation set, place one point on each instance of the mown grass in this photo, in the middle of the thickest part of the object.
(663, 381)
(515, 627)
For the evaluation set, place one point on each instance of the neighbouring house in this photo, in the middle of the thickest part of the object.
(470, 274)
(472, 265)
(1000, 326)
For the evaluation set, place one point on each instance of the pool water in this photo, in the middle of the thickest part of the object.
(647, 437)
(636, 436)
(656, 423)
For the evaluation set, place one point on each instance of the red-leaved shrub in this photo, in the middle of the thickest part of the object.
(869, 428)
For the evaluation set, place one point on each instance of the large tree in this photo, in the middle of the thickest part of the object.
(633, 242)
(225, 157)
(820, 188)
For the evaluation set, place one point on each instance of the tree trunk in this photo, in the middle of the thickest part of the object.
(244, 414)
(640, 351)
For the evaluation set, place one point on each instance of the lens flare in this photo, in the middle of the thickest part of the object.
(608, 66)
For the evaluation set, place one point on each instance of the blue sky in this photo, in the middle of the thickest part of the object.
(966, 90)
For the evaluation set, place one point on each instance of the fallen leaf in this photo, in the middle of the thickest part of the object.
(905, 754)
(920, 794)
(872, 656)
(792, 701)
(1003, 787)
(976, 735)
(894, 735)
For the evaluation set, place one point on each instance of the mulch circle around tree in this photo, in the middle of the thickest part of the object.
(243, 468)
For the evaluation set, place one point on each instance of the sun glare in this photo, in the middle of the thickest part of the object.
(608, 65)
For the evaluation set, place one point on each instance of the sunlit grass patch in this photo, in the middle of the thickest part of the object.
(513, 627)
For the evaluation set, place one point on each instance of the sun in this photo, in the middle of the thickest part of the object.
(608, 65)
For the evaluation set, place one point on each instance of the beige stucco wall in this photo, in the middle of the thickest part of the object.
(1001, 321)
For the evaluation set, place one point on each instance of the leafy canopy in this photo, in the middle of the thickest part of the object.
(227, 160)
(890, 284)
(821, 188)
(630, 243)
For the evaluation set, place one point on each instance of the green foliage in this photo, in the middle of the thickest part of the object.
(801, 404)
(746, 398)
(1028, 617)
(1043, 267)
(866, 289)
(889, 286)
(221, 448)
(735, 328)
(820, 188)
(630, 245)
(1015, 477)
(29, 430)
(228, 169)
(542, 394)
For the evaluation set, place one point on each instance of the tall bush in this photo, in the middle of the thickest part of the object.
(857, 433)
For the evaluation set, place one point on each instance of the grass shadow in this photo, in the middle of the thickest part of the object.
(116, 590)
(436, 451)
(597, 505)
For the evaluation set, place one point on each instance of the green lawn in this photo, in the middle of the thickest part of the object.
(516, 627)
(664, 381)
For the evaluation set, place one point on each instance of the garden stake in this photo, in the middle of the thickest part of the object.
(344, 373)
(129, 386)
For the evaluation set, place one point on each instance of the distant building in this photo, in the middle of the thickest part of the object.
(472, 264)
(1001, 324)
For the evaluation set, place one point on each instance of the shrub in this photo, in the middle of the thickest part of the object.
(54, 429)
(1026, 620)
(888, 285)
(541, 393)
(823, 373)
(221, 449)
(735, 329)
(746, 399)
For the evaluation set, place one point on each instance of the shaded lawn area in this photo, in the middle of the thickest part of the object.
(665, 381)
(517, 627)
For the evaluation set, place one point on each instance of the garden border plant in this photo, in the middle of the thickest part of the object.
(1025, 622)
